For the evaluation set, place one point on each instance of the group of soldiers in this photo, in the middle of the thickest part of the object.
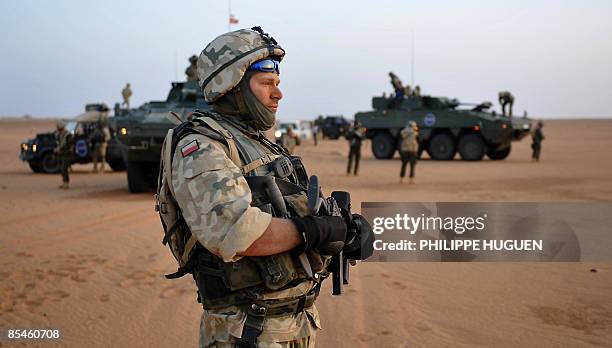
(64, 151)
(235, 206)
(401, 91)
(408, 149)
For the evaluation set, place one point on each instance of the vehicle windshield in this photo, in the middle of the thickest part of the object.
(71, 126)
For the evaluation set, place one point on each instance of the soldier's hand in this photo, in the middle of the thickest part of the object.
(323, 234)
(362, 245)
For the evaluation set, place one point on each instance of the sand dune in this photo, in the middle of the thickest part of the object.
(89, 260)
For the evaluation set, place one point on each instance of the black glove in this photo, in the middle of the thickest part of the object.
(362, 245)
(323, 234)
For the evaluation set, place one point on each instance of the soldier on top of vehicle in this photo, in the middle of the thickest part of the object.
(506, 98)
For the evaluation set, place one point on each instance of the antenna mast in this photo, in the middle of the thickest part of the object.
(412, 60)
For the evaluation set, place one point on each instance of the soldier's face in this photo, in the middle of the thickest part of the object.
(264, 86)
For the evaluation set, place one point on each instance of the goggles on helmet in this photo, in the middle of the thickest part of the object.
(266, 65)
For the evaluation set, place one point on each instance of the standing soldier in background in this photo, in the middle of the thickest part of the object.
(99, 142)
(537, 137)
(355, 136)
(417, 91)
(63, 152)
(290, 140)
(315, 132)
(126, 93)
(506, 98)
(192, 69)
(409, 149)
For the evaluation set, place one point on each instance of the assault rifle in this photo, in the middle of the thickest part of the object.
(339, 204)
(359, 237)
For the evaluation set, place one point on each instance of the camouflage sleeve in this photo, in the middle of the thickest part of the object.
(214, 198)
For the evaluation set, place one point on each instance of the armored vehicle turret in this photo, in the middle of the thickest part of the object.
(446, 127)
(141, 131)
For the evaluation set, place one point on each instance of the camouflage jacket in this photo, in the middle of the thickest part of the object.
(64, 143)
(215, 201)
(410, 140)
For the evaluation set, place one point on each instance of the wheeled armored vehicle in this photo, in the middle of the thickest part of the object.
(141, 132)
(446, 127)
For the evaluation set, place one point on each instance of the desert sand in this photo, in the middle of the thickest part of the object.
(90, 262)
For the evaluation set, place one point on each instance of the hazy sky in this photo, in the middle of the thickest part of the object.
(554, 56)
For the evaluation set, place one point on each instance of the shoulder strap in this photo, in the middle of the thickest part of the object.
(233, 150)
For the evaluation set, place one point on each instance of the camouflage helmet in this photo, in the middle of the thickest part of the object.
(225, 59)
(60, 124)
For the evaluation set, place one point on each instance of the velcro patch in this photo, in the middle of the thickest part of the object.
(190, 148)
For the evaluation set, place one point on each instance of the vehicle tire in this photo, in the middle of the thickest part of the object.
(117, 165)
(137, 182)
(35, 166)
(442, 147)
(49, 163)
(499, 155)
(471, 147)
(384, 146)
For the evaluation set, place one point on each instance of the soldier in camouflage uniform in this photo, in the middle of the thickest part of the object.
(355, 137)
(290, 140)
(192, 69)
(63, 152)
(254, 291)
(409, 149)
(126, 93)
(506, 98)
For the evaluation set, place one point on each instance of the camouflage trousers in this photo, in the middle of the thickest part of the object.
(305, 342)
(221, 329)
(64, 164)
(99, 156)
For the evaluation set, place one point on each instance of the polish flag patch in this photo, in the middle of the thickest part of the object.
(190, 148)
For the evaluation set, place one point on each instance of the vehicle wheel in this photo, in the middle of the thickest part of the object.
(499, 155)
(442, 147)
(49, 163)
(383, 146)
(471, 147)
(35, 166)
(137, 182)
(117, 165)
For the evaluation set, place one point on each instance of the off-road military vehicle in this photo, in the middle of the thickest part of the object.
(333, 127)
(38, 151)
(446, 127)
(141, 132)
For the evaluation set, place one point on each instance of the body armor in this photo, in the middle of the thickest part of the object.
(267, 167)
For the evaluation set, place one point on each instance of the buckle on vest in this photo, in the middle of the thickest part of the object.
(160, 207)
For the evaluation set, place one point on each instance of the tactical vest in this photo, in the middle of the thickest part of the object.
(245, 281)
(409, 140)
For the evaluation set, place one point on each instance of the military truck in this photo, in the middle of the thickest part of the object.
(141, 132)
(38, 151)
(333, 127)
(446, 127)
